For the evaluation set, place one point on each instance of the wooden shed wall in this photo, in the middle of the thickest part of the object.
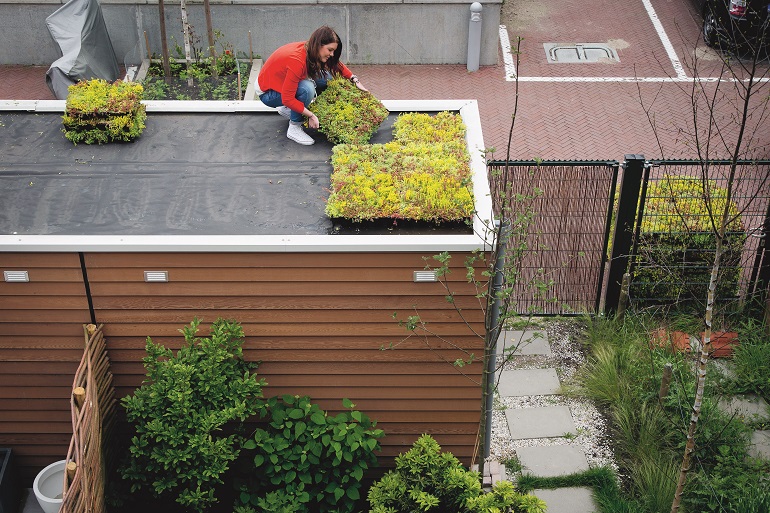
(317, 321)
(41, 343)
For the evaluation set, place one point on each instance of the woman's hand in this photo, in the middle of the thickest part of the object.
(360, 86)
(312, 121)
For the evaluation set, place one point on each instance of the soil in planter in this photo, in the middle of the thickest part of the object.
(205, 87)
(342, 226)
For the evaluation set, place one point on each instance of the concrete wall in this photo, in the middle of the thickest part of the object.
(373, 31)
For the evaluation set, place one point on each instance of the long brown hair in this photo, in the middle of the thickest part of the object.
(320, 37)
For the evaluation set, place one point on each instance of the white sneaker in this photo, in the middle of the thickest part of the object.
(284, 111)
(296, 134)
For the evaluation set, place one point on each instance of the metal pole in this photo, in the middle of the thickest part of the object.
(474, 37)
(491, 349)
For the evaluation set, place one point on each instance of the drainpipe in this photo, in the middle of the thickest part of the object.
(474, 37)
(497, 285)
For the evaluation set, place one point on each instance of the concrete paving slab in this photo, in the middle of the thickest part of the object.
(545, 422)
(750, 407)
(528, 342)
(760, 445)
(568, 500)
(521, 382)
(552, 460)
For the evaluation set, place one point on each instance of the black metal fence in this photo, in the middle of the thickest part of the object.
(658, 227)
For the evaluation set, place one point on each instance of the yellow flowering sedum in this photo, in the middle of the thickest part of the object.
(98, 111)
(424, 174)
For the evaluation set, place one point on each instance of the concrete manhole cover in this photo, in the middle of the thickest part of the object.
(579, 53)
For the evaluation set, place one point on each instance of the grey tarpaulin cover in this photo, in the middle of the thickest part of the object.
(79, 29)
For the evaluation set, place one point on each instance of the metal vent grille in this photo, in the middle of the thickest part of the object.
(425, 276)
(16, 276)
(156, 276)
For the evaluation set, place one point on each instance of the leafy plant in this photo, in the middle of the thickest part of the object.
(223, 86)
(426, 479)
(752, 360)
(676, 242)
(99, 112)
(185, 413)
(346, 114)
(424, 174)
(305, 456)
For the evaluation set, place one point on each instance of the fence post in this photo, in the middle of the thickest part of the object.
(630, 187)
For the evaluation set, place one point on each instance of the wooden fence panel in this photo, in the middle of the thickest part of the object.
(93, 418)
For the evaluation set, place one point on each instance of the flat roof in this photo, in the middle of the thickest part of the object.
(204, 176)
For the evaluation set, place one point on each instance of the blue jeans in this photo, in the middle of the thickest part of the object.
(307, 90)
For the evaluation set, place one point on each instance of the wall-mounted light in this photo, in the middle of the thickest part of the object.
(425, 276)
(156, 276)
(16, 276)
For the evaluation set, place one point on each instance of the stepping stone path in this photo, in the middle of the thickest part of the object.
(556, 458)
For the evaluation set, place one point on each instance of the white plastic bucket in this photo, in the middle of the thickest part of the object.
(48, 486)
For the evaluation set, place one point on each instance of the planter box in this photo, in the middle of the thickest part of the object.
(722, 343)
(9, 490)
(675, 341)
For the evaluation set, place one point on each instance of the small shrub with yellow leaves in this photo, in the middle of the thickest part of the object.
(99, 112)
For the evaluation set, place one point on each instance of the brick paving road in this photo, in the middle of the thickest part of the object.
(559, 117)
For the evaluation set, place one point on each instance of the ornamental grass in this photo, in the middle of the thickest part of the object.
(99, 112)
(422, 175)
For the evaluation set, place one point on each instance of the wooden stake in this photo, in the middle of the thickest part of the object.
(251, 51)
(665, 382)
(71, 468)
(147, 45)
(79, 393)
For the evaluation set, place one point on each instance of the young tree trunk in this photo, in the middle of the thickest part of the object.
(701, 385)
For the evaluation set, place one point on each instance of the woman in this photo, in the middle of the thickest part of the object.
(295, 73)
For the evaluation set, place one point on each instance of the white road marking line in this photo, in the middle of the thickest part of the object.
(681, 76)
(675, 62)
(505, 44)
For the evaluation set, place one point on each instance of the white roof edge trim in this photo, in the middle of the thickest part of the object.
(239, 243)
(214, 106)
(469, 112)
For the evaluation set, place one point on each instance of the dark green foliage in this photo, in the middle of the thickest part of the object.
(99, 112)
(306, 459)
(677, 242)
(426, 479)
(623, 375)
(752, 360)
(185, 413)
(346, 114)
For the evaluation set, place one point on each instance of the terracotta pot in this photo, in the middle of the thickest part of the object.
(722, 343)
(672, 340)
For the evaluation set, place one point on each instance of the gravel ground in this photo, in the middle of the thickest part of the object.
(567, 356)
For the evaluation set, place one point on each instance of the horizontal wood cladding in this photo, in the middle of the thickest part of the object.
(319, 324)
(41, 343)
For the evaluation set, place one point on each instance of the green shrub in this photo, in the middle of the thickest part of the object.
(305, 458)
(99, 112)
(752, 360)
(424, 174)
(677, 242)
(346, 114)
(184, 411)
(426, 479)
